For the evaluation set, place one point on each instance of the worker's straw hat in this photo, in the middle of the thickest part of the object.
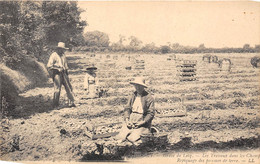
(62, 45)
(139, 81)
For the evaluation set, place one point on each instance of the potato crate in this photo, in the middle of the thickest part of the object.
(187, 70)
(104, 130)
(139, 61)
(172, 113)
(139, 65)
(176, 111)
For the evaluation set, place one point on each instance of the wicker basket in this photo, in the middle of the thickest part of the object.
(147, 138)
(161, 139)
(156, 137)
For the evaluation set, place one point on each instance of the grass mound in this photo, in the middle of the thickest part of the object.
(35, 71)
(12, 82)
(28, 74)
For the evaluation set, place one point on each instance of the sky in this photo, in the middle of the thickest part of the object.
(215, 24)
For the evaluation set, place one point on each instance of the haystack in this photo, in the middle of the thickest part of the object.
(35, 71)
(28, 74)
(12, 82)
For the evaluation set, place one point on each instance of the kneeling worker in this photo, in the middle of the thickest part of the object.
(138, 114)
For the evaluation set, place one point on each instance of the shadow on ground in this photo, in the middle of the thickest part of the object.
(26, 106)
(29, 106)
(118, 153)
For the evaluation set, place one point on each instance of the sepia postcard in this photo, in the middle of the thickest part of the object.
(130, 81)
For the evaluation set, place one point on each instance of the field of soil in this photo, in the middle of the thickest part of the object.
(221, 109)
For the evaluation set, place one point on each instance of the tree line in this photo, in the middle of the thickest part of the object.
(32, 29)
(99, 41)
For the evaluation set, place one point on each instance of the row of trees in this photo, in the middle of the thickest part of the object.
(32, 29)
(176, 48)
(99, 41)
(29, 28)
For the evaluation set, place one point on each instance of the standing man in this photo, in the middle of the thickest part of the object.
(58, 66)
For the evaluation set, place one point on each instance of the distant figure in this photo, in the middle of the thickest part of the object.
(206, 56)
(58, 67)
(226, 62)
(255, 61)
(214, 59)
(138, 114)
(91, 83)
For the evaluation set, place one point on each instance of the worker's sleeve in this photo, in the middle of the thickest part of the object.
(86, 82)
(128, 108)
(51, 61)
(150, 110)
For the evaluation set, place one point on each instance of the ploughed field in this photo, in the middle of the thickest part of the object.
(221, 107)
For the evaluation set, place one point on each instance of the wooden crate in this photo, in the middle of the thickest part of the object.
(187, 79)
(179, 111)
(139, 61)
(104, 130)
(172, 113)
(187, 70)
(139, 66)
(187, 74)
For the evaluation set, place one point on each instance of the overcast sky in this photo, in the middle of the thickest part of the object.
(216, 24)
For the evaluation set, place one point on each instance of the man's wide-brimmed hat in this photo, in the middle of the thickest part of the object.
(139, 81)
(62, 45)
(91, 67)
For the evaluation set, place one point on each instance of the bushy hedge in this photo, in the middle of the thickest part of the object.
(31, 29)
(165, 49)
